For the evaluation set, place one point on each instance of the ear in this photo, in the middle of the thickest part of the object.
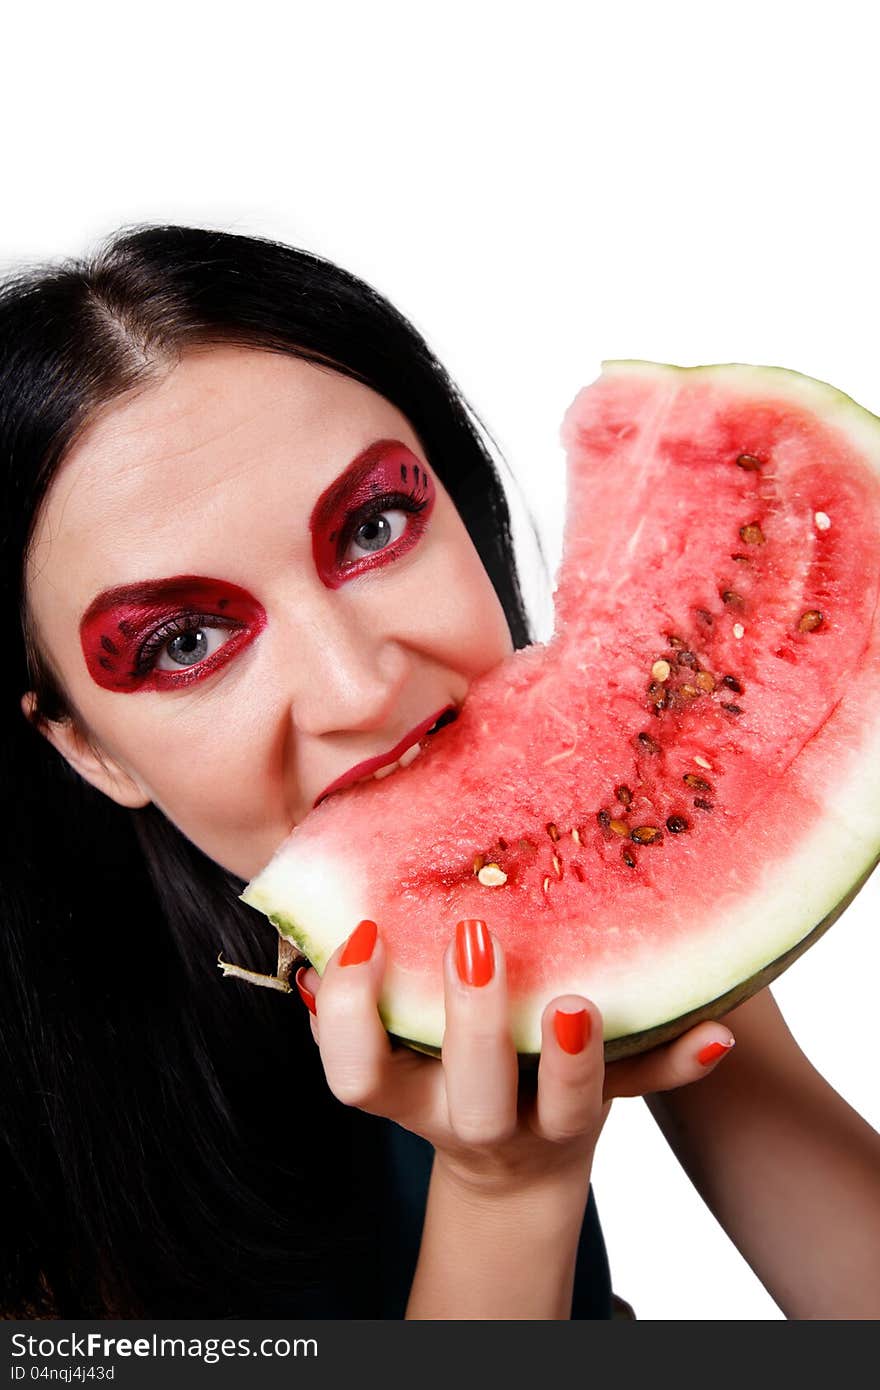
(92, 764)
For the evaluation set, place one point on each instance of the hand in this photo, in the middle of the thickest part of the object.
(489, 1125)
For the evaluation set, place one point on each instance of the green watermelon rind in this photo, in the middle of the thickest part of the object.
(861, 424)
(633, 1043)
(827, 868)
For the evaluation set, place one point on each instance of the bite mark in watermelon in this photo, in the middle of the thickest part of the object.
(668, 802)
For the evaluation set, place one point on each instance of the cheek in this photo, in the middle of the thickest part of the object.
(463, 612)
(226, 794)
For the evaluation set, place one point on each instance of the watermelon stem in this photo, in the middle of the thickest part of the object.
(287, 954)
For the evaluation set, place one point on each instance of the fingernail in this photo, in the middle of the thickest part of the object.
(359, 946)
(473, 952)
(305, 993)
(712, 1051)
(572, 1030)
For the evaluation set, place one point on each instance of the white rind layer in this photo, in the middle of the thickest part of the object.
(664, 979)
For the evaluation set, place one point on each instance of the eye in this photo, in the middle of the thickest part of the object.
(190, 647)
(184, 642)
(376, 533)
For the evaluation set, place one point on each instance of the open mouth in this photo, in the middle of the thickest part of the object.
(409, 755)
(448, 716)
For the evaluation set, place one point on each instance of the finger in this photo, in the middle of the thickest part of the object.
(307, 981)
(692, 1056)
(571, 1070)
(355, 1048)
(479, 1059)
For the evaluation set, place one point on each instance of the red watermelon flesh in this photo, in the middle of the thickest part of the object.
(668, 802)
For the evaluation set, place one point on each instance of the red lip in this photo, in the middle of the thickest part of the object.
(373, 764)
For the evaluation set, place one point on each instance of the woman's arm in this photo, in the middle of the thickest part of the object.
(498, 1256)
(790, 1170)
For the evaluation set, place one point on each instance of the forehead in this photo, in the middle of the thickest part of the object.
(196, 466)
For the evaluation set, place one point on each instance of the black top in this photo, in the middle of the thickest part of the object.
(408, 1171)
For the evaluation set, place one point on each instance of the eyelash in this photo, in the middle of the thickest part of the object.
(412, 502)
(184, 622)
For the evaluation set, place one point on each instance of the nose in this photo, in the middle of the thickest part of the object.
(352, 673)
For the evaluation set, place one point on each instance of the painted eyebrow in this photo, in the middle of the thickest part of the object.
(147, 592)
(352, 478)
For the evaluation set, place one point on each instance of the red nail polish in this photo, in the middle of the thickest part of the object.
(305, 993)
(572, 1030)
(712, 1051)
(474, 959)
(359, 946)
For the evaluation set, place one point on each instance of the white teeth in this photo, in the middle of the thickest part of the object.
(384, 771)
(403, 761)
(410, 754)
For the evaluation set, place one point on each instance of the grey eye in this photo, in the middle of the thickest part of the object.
(189, 648)
(377, 533)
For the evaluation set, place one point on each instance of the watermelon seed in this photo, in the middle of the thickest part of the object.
(546, 884)
(604, 819)
(619, 827)
(810, 620)
(676, 824)
(741, 559)
(706, 681)
(686, 658)
(703, 805)
(675, 641)
(502, 843)
(706, 616)
(752, 534)
(733, 684)
(628, 858)
(749, 463)
(646, 835)
(479, 861)
(738, 630)
(702, 762)
(731, 709)
(822, 520)
(690, 692)
(492, 876)
(576, 836)
(557, 865)
(623, 794)
(552, 831)
(659, 696)
(730, 596)
(692, 780)
(648, 743)
(660, 670)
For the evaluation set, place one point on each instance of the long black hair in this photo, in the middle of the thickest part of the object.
(168, 1144)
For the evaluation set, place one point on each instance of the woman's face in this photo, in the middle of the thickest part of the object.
(274, 621)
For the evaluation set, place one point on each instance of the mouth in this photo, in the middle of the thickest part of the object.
(401, 755)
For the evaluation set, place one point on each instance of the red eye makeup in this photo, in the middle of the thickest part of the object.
(385, 477)
(124, 629)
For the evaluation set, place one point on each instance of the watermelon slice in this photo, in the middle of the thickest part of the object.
(667, 803)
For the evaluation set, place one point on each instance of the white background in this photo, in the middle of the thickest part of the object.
(538, 187)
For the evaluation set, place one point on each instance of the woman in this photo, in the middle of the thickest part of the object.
(227, 598)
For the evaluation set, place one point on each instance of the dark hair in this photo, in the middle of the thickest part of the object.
(168, 1143)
